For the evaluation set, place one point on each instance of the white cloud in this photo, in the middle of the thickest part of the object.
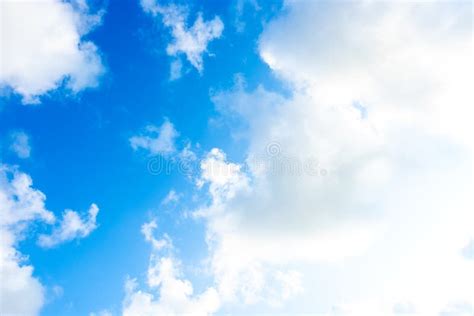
(171, 198)
(356, 187)
(18, 283)
(39, 57)
(20, 206)
(168, 293)
(157, 140)
(373, 209)
(71, 227)
(191, 41)
(238, 277)
(158, 244)
(20, 203)
(394, 52)
(20, 144)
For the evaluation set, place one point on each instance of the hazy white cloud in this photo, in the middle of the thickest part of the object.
(468, 251)
(240, 8)
(157, 140)
(20, 144)
(394, 66)
(20, 206)
(238, 277)
(171, 198)
(38, 56)
(458, 309)
(345, 182)
(187, 154)
(168, 293)
(190, 41)
(71, 227)
(101, 313)
(188, 161)
(404, 308)
(158, 244)
(176, 67)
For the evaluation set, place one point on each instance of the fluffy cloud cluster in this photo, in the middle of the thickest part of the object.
(38, 56)
(20, 203)
(237, 276)
(192, 40)
(376, 105)
(20, 206)
(157, 140)
(169, 294)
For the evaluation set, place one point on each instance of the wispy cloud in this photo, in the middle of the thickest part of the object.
(157, 140)
(20, 144)
(190, 41)
(71, 227)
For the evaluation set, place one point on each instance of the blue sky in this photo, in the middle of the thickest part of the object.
(330, 87)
